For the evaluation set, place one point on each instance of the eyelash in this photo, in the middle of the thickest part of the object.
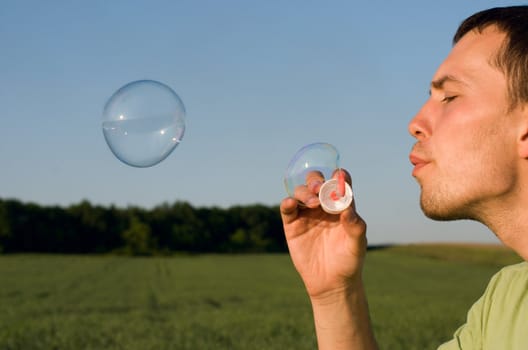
(448, 99)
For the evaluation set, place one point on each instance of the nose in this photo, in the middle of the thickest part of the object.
(418, 126)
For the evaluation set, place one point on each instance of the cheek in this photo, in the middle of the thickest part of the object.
(466, 155)
(454, 151)
(483, 158)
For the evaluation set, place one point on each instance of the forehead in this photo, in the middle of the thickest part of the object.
(471, 59)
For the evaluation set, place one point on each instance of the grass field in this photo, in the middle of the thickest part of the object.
(418, 296)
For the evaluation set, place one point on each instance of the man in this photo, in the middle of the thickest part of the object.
(471, 161)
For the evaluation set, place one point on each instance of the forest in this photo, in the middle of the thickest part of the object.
(84, 228)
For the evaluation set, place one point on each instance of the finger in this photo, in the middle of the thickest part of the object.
(289, 209)
(307, 196)
(356, 226)
(348, 178)
(314, 181)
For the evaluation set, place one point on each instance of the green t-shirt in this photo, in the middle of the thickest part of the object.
(499, 319)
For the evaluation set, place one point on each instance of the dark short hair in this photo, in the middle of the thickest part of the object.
(512, 58)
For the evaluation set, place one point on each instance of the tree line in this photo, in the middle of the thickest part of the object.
(85, 228)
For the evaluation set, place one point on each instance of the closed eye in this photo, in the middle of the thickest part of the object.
(448, 99)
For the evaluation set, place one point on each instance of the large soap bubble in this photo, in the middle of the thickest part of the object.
(143, 122)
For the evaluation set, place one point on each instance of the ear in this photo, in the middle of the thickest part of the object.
(523, 132)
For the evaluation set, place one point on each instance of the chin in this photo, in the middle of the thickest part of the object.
(441, 211)
(442, 216)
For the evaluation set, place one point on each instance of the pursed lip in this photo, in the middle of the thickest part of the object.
(417, 162)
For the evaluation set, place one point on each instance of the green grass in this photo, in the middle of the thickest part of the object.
(247, 302)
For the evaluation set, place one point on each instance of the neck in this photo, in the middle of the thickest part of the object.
(509, 222)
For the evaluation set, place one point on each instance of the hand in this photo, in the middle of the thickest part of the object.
(327, 250)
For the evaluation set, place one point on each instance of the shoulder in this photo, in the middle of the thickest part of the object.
(507, 293)
(509, 279)
(506, 308)
(497, 320)
(512, 273)
(521, 267)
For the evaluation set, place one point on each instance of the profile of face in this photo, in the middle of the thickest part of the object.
(466, 156)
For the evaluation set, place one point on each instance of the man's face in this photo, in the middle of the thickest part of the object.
(466, 155)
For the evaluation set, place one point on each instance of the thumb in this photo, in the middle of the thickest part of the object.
(289, 210)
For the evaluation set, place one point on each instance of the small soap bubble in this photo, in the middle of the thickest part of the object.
(143, 122)
(322, 157)
(335, 195)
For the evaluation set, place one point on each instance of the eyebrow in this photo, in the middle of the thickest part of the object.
(440, 82)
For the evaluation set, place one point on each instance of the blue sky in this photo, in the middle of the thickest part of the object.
(259, 80)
